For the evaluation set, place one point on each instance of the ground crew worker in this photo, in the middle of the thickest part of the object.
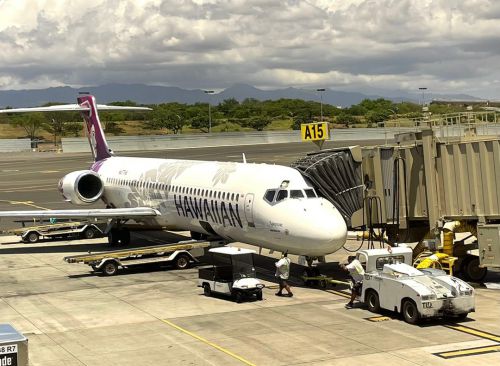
(356, 272)
(282, 274)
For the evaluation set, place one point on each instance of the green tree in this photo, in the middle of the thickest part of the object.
(257, 122)
(31, 124)
(346, 119)
(166, 116)
(73, 128)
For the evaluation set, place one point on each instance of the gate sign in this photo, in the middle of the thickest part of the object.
(314, 131)
(8, 355)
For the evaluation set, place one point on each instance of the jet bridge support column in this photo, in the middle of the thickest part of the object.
(429, 147)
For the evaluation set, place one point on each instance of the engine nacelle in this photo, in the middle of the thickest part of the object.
(82, 187)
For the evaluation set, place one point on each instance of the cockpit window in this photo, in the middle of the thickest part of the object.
(310, 193)
(269, 196)
(282, 194)
(296, 193)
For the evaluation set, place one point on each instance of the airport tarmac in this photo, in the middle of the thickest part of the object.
(142, 317)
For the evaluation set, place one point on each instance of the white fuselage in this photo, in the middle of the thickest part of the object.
(227, 199)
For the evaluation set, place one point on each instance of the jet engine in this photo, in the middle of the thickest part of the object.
(82, 187)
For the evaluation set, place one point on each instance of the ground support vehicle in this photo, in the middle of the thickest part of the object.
(181, 255)
(232, 273)
(70, 229)
(391, 282)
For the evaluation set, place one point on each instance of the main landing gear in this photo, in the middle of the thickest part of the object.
(119, 237)
(117, 234)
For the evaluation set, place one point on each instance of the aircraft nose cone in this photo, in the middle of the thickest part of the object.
(322, 230)
(330, 230)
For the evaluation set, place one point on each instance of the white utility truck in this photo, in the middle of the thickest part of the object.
(391, 282)
(232, 273)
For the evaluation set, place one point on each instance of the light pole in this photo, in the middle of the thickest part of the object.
(209, 111)
(423, 95)
(321, 90)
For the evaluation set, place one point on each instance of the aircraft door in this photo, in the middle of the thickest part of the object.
(249, 209)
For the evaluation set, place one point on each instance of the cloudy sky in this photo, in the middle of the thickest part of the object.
(448, 46)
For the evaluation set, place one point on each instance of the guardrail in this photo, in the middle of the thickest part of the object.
(15, 145)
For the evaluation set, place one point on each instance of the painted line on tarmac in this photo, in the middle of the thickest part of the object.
(475, 332)
(468, 352)
(471, 351)
(227, 352)
(27, 203)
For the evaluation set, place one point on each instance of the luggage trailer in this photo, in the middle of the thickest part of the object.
(182, 255)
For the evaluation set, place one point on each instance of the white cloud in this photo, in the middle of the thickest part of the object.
(450, 45)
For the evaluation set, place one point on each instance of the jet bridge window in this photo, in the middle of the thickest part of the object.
(296, 193)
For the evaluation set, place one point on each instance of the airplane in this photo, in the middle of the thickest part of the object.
(269, 206)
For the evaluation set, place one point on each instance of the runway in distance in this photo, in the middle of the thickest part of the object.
(269, 206)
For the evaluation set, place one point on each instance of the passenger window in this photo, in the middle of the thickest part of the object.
(269, 196)
(310, 193)
(282, 194)
(296, 193)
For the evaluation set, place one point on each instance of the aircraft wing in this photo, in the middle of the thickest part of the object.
(105, 213)
(73, 108)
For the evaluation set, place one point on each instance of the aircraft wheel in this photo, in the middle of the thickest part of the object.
(206, 289)
(259, 295)
(238, 297)
(32, 237)
(110, 268)
(182, 261)
(88, 233)
(125, 236)
(119, 237)
(471, 269)
(410, 312)
(372, 301)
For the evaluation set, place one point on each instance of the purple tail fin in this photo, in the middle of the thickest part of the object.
(97, 140)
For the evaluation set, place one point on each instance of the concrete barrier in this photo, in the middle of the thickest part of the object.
(135, 143)
(15, 145)
(162, 142)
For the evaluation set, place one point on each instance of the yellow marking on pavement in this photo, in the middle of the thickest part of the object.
(343, 294)
(378, 318)
(239, 358)
(475, 332)
(469, 352)
(27, 203)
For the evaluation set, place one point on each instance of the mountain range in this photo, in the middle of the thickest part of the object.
(150, 94)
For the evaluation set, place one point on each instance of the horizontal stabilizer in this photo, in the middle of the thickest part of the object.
(73, 108)
(106, 213)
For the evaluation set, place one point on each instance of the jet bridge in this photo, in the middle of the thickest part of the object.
(415, 188)
(336, 176)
